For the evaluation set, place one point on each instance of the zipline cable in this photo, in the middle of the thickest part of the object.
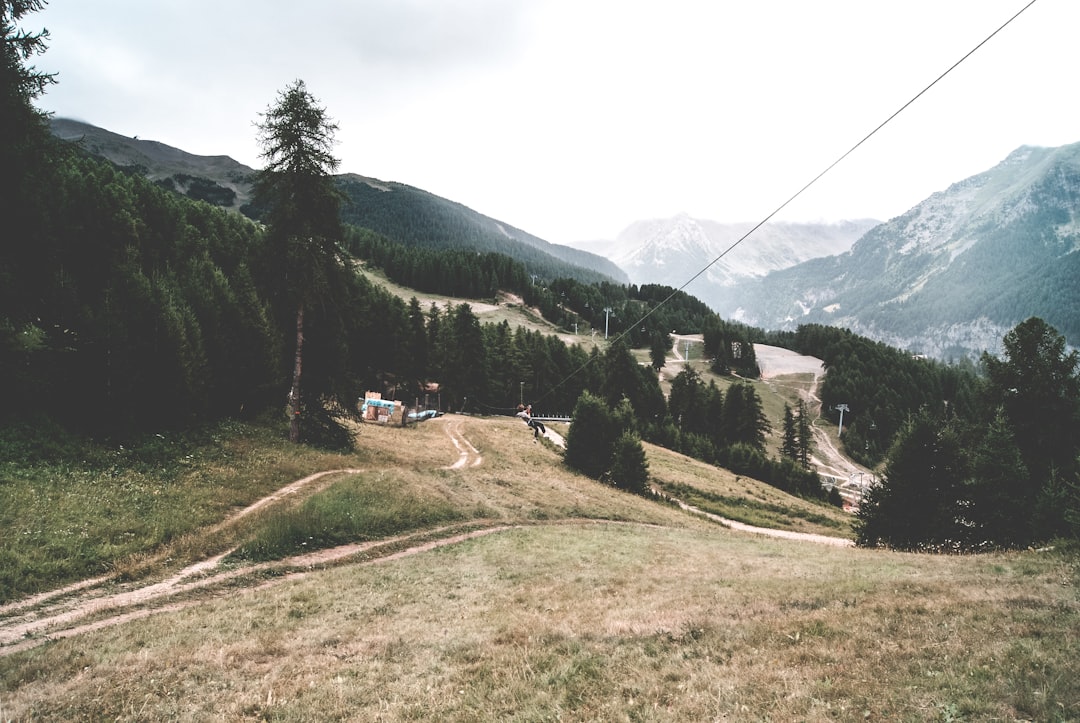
(802, 190)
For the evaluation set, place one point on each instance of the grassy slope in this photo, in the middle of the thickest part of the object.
(595, 604)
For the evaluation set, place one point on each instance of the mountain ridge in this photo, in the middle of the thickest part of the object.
(670, 251)
(951, 275)
(225, 182)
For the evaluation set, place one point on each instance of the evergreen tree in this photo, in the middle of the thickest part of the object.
(804, 434)
(714, 414)
(592, 436)
(296, 136)
(917, 504)
(22, 127)
(463, 361)
(1038, 386)
(744, 417)
(998, 489)
(658, 350)
(622, 376)
(23, 178)
(686, 402)
(415, 353)
(619, 373)
(789, 445)
(629, 468)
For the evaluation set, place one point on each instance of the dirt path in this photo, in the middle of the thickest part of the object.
(70, 610)
(103, 601)
(468, 455)
(556, 438)
(767, 531)
(39, 626)
(58, 608)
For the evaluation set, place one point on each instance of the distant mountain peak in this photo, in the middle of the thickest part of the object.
(672, 250)
(950, 276)
(674, 240)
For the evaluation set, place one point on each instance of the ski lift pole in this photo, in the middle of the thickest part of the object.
(842, 408)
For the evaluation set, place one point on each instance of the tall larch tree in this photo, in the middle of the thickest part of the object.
(917, 504)
(1038, 386)
(303, 217)
(21, 124)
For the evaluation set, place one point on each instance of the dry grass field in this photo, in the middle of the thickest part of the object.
(535, 594)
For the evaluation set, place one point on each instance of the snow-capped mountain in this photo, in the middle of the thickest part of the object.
(670, 251)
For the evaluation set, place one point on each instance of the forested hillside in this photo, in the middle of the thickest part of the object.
(404, 214)
(218, 180)
(416, 218)
(881, 386)
(464, 273)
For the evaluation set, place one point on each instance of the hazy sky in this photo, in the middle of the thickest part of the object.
(571, 119)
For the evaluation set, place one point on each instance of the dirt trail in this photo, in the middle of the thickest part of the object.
(556, 438)
(70, 611)
(57, 613)
(468, 455)
(767, 531)
(37, 627)
(37, 614)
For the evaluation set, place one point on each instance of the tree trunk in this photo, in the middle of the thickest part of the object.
(294, 393)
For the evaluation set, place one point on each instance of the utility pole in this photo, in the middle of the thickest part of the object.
(843, 408)
(607, 312)
(521, 393)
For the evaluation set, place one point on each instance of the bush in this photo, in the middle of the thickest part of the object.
(591, 440)
(319, 428)
(629, 468)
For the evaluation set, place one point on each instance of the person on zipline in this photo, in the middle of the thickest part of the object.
(537, 427)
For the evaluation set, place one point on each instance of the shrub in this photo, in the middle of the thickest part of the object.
(629, 468)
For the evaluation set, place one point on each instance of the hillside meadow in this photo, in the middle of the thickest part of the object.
(512, 589)
(509, 308)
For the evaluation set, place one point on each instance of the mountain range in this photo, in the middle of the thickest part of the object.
(400, 212)
(950, 276)
(947, 278)
(671, 251)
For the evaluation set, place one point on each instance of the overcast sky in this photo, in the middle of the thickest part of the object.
(572, 119)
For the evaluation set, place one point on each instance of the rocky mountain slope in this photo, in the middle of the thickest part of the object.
(953, 274)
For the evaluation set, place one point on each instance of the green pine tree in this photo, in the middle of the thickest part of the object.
(804, 434)
(789, 445)
(297, 136)
(629, 468)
